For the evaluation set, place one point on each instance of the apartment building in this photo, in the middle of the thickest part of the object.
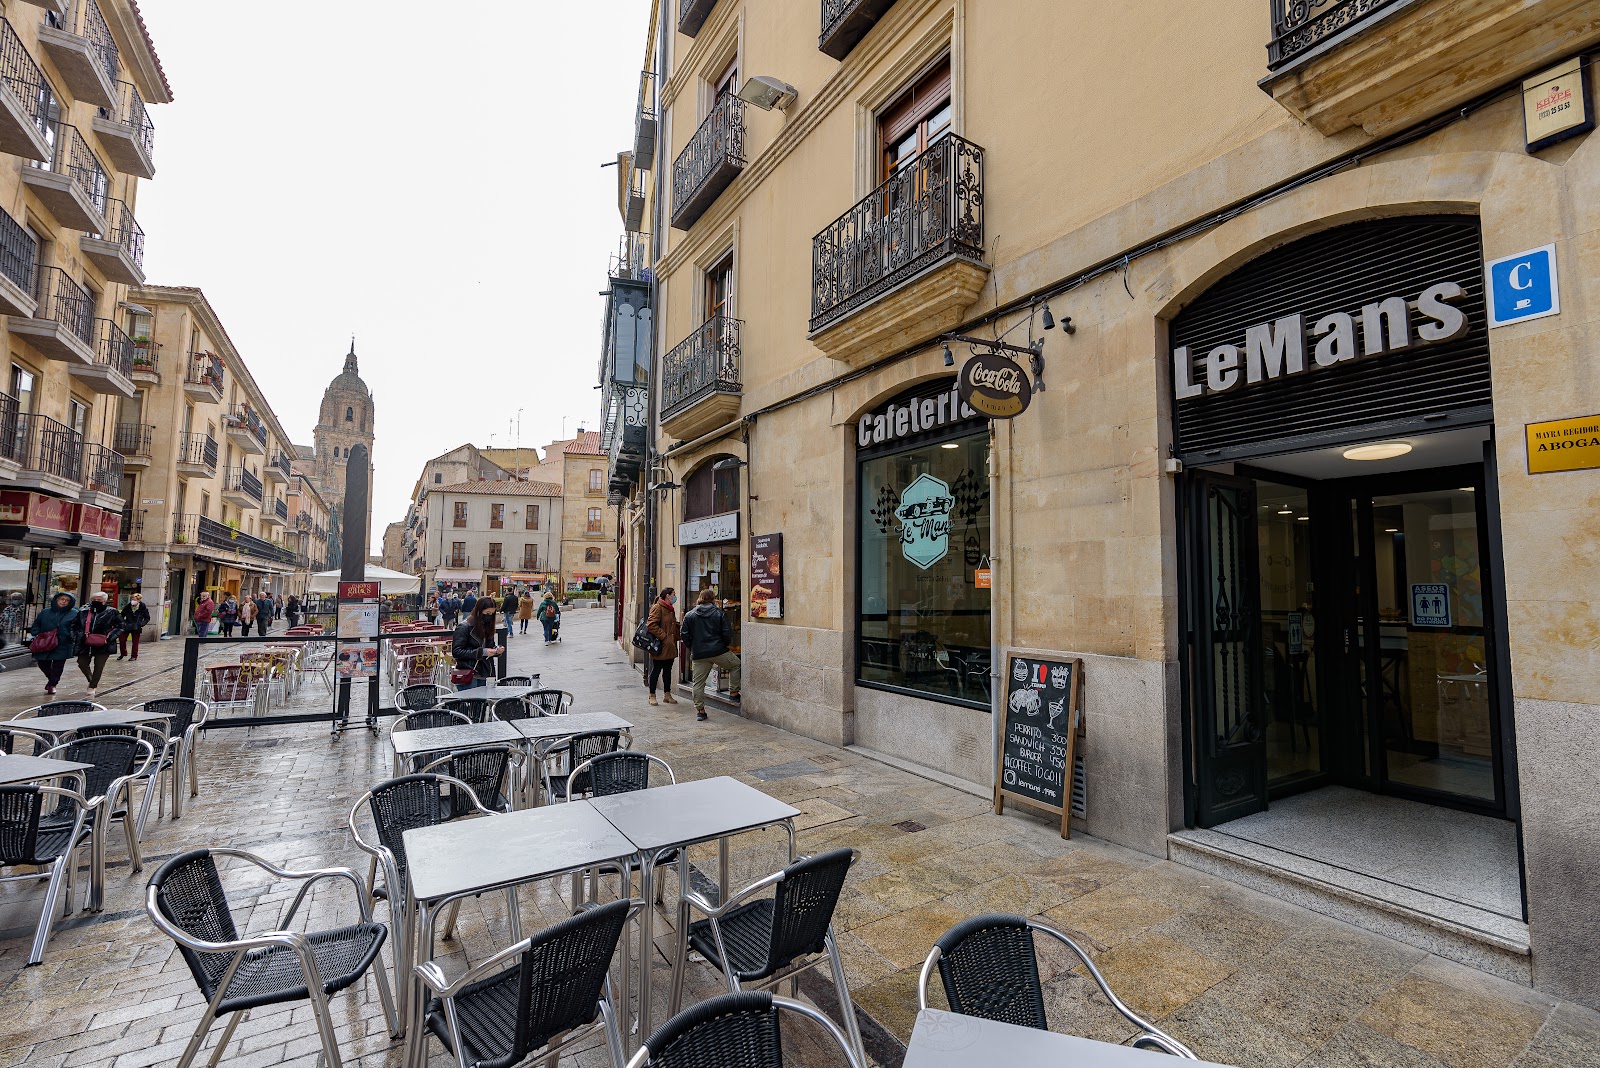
(486, 534)
(588, 522)
(1276, 421)
(465, 463)
(75, 139)
(307, 535)
(207, 467)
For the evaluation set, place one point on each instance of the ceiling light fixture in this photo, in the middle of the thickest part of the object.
(1391, 530)
(1302, 518)
(951, 445)
(1286, 511)
(1383, 450)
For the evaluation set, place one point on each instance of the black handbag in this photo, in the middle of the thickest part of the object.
(643, 639)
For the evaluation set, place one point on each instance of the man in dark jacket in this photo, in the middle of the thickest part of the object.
(508, 609)
(264, 613)
(706, 630)
(467, 604)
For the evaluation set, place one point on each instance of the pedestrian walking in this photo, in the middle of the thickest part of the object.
(205, 610)
(277, 606)
(508, 608)
(706, 629)
(247, 616)
(450, 609)
(291, 610)
(524, 611)
(135, 617)
(55, 633)
(550, 619)
(228, 614)
(663, 623)
(468, 603)
(265, 613)
(473, 647)
(101, 625)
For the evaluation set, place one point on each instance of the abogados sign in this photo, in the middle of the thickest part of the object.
(995, 386)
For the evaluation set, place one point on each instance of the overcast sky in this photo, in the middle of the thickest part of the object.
(424, 176)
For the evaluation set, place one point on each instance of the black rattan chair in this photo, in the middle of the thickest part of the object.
(614, 773)
(520, 680)
(420, 697)
(183, 735)
(115, 762)
(185, 900)
(476, 709)
(545, 993)
(26, 840)
(60, 708)
(508, 709)
(33, 742)
(762, 941)
(732, 1031)
(552, 702)
(427, 719)
(577, 749)
(485, 769)
(989, 969)
(148, 774)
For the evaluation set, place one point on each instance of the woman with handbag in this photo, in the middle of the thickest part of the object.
(55, 633)
(524, 611)
(663, 627)
(472, 647)
(101, 624)
(135, 617)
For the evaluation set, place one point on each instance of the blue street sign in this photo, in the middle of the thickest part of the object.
(1523, 286)
(1430, 604)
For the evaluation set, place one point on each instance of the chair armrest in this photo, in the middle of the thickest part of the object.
(310, 876)
(717, 911)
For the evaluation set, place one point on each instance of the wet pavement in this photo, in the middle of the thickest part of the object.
(1240, 977)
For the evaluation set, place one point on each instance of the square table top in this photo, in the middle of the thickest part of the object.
(493, 693)
(691, 812)
(15, 770)
(949, 1040)
(572, 723)
(77, 721)
(489, 852)
(456, 736)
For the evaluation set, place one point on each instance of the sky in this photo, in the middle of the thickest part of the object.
(432, 185)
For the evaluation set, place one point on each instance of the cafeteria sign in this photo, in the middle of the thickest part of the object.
(994, 385)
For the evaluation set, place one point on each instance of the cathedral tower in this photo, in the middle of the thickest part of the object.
(345, 419)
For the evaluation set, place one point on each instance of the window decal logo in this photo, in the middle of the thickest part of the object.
(924, 515)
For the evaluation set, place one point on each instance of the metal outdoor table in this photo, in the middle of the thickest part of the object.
(447, 739)
(543, 728)
(56, 726)
(677, 817)
(949, 1040)
(493, 693)
(474, 856)
(16, 770)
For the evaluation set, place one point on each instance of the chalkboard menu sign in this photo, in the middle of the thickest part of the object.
(1038, 731)
(766, 576)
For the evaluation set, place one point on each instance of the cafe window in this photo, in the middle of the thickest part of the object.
(460, 519)
(531, 520)
(591, 556)
(595, 526)
(497, 516)
(923, 598)
(916, 119)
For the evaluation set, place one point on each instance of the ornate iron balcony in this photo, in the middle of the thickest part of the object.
(85, 19)
(132, 113)
(114, 349)
(710, 162)
(102, 469)
(1298, 26)
(845, 22)
(929, 210)
(133, 439)
(72, 156)
(243, 416)
(49, 447)
(205, 369)
(66, 302)
(199, 450)
(707, 362)
(22, 76)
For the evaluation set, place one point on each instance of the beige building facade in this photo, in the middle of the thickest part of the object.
(487, 535)
(1276, 487)
(465, 463)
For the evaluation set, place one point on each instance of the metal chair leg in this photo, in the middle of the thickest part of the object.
(198, 1038)
(227, 1036)
(319, 1008)
(613, 1031)
(847, 1008)
(47, 913)
(450, 921)
(386, 998)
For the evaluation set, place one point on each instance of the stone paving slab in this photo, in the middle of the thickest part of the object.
(1242, 978)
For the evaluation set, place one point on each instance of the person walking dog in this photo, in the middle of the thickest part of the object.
(101, 625)
(135, 617)
(663, 623)
(706, 629)
(55, 632)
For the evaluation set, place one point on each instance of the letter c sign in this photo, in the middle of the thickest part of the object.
(1523, 286)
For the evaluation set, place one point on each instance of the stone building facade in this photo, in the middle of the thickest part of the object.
(1282, 486)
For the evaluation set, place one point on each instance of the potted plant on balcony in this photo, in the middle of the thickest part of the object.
(233, 526)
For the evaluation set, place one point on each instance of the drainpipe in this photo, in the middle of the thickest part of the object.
(1000, 521)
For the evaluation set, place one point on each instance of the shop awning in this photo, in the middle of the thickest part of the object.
(456, 574)
(389, 582)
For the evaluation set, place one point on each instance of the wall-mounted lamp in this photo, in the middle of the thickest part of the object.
(949, 357)
(768, 93)
(729, 463)
(661, 487)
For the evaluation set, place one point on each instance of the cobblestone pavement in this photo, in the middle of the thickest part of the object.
(1243, 978)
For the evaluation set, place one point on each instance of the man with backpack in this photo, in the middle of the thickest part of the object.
(709, 635)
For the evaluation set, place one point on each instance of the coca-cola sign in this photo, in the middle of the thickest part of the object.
(995, 386)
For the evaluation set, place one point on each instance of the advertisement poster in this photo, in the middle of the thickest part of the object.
(358, 661)
(358, 621)
(766, 576)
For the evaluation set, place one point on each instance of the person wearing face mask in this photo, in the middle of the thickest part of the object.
(135, 617)
(56, 632)
(663, 623)
(473, 646)
(101, 626)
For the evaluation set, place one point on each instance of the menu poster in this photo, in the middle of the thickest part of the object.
(358, 621)
(766, 576)
(1038, 732)
(358, 660)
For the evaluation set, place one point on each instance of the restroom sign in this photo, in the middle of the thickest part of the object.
(1430, 604)
(1523, 286)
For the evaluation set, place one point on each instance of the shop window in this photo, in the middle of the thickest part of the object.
(531, 520)
(497, 516)
(923, 623)
(460, 518)
(711, 492)
(591, 556)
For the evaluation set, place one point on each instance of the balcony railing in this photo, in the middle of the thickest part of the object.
(1298, 26)
(692, 15)
(846, 22)
(242, 416)
(459, 561)
(707, 362)
(49, 447)
(133, 439)
(22, 76)
(189, 529)
(710, 162)
(146, 356)
(11, 440)
(530, 561)
(131, 112)
(18, 253)
(205, 369)
(496, 563)
(85, 19)
(929, 210)
(303, 522)
(113, 349)
(72, 156)
(102, 469)
(283, 465)
(66, 302)
(241, 480)
(645, 125)
(132, 525)
(280, 508)
(125, 231)
(199, 450)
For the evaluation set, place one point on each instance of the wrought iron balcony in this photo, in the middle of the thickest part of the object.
(197, 455)
(845, 22)
(18, 255)
(24, 122)
(127, 133)
(102, 470)
(1298, 26)
(245, 429)
(119, 251)
(303, 522)
(11, 441)
(50, 452)
(241, 487)
(692, 15)
(458, 561)
(190, 529)
(62, 327)
(278, 469)
(710, 162)
(146, 360)
(927, 211)
(132, 525)
(73, 184)
(645, 126)
(133, 441)
(633, 201)
(700, 387)
(83, 50)
(203, 381)
(112, 369)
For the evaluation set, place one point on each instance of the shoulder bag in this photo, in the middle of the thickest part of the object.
(45, 642)
(643, 639)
